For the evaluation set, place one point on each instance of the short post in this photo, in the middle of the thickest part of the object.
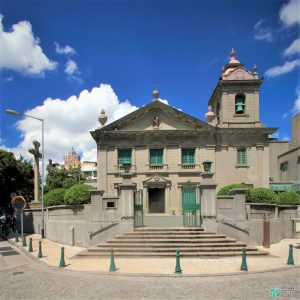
(178, 267)
(290, 258)
(24, 240)
(62, 258)
(40, 255)
(266, 229)
(244, 260)
(30, 245)
(11, 233)
(112, 267)
(17, 236)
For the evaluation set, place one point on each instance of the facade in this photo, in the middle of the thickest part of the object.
(160, 151)
(285, 158)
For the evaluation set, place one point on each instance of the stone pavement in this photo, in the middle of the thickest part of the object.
(27, 278)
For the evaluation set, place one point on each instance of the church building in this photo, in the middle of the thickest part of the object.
(163, 153)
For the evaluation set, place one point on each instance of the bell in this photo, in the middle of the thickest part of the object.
(239, 108)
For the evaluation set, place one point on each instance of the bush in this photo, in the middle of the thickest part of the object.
(288, 198)
(55, 197)
(225, 190)
(261, 195)
(78, 194)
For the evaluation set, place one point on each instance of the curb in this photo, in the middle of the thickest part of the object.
(73, 272)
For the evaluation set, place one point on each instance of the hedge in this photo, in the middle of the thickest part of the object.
(261, 195)
(288, 198)
(55, 197)
(225, 190)
(78, 194)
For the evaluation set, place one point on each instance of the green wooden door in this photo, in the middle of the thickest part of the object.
(138, 209)
(190, 207)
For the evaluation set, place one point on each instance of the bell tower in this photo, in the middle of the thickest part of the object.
(235, 100)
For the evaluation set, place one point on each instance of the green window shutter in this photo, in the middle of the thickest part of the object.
(124, 156)
(189, 199)
(156, 156)
(188, 156)
(242, 158)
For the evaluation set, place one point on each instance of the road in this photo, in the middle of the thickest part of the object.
(24, 278)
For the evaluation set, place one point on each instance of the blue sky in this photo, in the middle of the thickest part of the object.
(85, 55)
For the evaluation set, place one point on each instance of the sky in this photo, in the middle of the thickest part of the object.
(63, 61)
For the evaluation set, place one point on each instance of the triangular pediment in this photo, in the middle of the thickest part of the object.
(157, 116)
(156, 180)
(239, 73)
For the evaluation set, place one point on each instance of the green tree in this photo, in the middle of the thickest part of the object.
(16, 175)
(62, 177)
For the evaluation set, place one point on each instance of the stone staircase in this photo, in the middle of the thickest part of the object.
(163, 242)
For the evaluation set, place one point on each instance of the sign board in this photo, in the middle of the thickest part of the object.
(18, 202)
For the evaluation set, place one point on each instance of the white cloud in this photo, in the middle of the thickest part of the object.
(69, 122)
(163, 101)
(20, 50)
(294, 48)
(71, 67)
(296, 108)
(289, 13)
(287, 67)
(67, 50)
(261, 33)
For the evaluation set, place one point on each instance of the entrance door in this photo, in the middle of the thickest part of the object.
(138, 208)
(156, 200)
(190, 207)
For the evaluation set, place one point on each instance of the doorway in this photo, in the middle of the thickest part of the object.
(156, 200)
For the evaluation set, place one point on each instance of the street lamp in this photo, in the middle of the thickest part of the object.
(16, 113)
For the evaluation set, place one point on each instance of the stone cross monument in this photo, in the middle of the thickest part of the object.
(37, 155)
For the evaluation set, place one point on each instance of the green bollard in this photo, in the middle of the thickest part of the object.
(30, 245)
(290, 258)
(112, 267)
(178, 267)
(244, 261)
(40, 255)
(24, 241)
(11, 233)
(17, 236)
(62, 258)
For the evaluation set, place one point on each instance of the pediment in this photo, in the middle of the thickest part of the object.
(156, 180)
(239, 73)
(157, 116)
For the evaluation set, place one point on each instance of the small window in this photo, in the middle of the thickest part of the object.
(156, 157)
(240, 104)
(110, 204)
(298, 160)
(242, 157)
(188, 156)
(218, 112)
(124, 157)
(284, 166)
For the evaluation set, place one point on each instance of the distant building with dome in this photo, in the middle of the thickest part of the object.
(72, 160)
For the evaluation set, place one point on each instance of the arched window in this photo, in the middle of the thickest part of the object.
(218, 112)
(240, 104)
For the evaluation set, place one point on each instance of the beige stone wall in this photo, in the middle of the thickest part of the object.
(224, 166)
(251, 116)
(276, 148)
(293, 172)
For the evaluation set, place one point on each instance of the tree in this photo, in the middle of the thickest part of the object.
(16, 175)
(62, 177)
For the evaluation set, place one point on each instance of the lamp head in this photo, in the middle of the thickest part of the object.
(12, 112)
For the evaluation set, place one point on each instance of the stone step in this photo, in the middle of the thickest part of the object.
(160, 232)
(166, 236)
(173, 250)
(170, 254)
(191, 241)
(145, 229)
(168, 245)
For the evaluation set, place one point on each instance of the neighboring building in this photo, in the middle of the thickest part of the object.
(89, 169)
(160, 150)
(285, 161)
(72, 160)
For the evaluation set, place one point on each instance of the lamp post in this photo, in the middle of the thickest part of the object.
(16, 113)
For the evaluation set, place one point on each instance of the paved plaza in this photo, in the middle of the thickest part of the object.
(22, 276)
